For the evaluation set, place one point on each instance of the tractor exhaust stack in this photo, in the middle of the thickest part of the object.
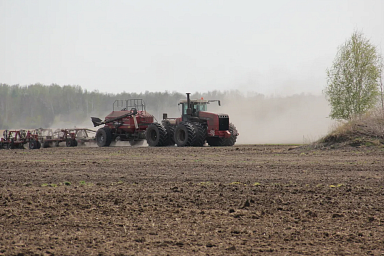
(189, 110)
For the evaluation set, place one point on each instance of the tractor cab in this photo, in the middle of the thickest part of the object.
(192, 107)
(196, 106)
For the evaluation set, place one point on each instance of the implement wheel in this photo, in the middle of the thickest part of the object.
(71, 143)
(104, 137)
(156, 135)
(33, 144)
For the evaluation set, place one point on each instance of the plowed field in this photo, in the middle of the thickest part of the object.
(241, 200)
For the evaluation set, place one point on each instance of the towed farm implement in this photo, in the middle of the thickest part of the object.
(71, 137)
(18, 138)
(128, 121)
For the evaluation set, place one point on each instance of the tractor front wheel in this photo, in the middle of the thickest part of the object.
(231, 140)
(156, 135)
(185, 134)
(219, 142)
(104, 137)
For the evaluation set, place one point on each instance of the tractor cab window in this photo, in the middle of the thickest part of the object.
(201, 107)
(185, 106)
(196, 107)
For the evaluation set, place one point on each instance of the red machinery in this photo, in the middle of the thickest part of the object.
(83, 135)
(195, 127)
(127, 122)
(49, 138)
(17, 138)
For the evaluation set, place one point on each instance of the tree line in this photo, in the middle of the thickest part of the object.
(39, 105)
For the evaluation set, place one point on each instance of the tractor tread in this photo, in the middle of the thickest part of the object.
(201, 134)
(156, 135)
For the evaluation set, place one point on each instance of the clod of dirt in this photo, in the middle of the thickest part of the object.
(245, 204)
(232, 248)
(337, 215)
(231, 211)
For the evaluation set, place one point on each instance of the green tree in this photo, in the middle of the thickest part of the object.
(353, 81)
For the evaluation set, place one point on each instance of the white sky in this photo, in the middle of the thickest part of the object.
(271, 47)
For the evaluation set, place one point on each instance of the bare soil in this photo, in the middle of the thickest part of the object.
(241, 200)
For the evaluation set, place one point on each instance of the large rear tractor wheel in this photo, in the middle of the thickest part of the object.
(201, 134)
(156, 135)
(170, 133)
(104, 137)
(185, 134)
(136, 143)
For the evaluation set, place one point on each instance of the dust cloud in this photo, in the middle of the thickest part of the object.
(298, 119)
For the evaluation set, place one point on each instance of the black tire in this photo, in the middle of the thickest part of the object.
(231, 140)
(104, 137)
(215, 141)
(219, 142)
(170, 133)
(201, 135)
(74, 143)
(156, 135)
(45, 144)
(32, 144)
(38, 145)
(68, 143)
(136, 143)
(185, 134)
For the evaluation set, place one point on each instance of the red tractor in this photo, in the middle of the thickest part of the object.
(195, 127)
(17, 138)
(127, 122)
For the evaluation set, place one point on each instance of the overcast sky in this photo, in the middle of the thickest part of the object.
(271, 47)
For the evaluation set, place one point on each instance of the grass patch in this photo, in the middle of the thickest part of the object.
(364, 131)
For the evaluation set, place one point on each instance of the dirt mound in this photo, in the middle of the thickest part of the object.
(367, 130)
